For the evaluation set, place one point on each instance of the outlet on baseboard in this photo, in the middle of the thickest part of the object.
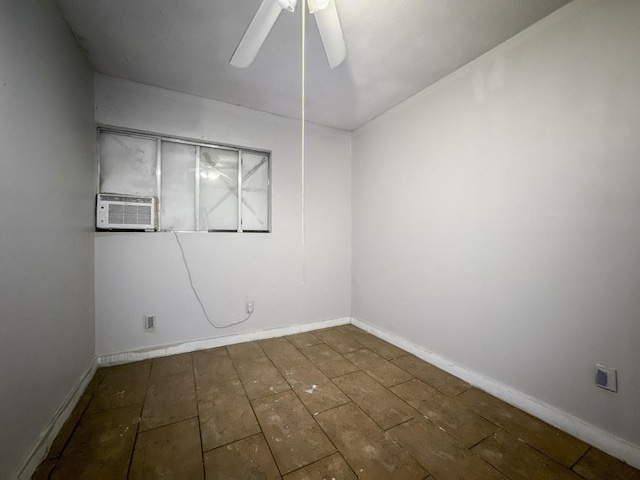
(150, 322)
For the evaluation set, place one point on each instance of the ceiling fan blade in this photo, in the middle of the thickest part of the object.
(331, 34)
(259, 28)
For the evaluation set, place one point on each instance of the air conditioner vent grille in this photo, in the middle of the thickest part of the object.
(125, 212)
(130, 214)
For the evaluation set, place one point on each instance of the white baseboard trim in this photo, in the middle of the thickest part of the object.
(40, 448)
(605, 441)
(185, 347)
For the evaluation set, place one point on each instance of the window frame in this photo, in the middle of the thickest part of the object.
(159, 138)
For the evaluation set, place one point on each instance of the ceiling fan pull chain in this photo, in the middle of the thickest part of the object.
(302, 152)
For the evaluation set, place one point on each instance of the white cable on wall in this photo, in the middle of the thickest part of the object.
(302, 153)
(195, 292)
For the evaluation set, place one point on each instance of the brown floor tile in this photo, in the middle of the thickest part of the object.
(169, 452)
(519, 461)
(338, 341)
(302, 340)
(169, 399)
(443, 456)
(333, 467)
(44, 469)
(377, 367)
(122, 385)
(349, 328)
(258, 375)
(100, 447)
(67, 428)
(439, 379)
(95, 382)
(466, 426)
(171, 365)
(250, 407)
(370, 452)
(245, 350)
(225, 415)
(596, 465)
(380, 404)
(283, 354)
(330, 362)
(373, 343)
(558, 445)
(210, 386)
(133, 368)
(214, 364)
(248, 459)
(314, 389)
(293, 436)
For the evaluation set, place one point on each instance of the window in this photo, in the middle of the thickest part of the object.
(199, 186)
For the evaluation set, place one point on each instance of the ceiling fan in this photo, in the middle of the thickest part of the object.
(326, 16)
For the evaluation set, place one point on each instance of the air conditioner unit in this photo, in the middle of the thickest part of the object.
(125, 212)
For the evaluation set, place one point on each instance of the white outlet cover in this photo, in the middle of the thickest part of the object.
(149, 322)
(606, 377)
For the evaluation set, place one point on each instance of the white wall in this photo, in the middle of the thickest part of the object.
(496, 215)
(142, 273)
(46, 242)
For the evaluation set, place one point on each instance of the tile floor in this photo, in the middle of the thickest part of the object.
(331, 404)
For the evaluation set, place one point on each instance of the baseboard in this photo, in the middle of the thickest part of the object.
(39, 451)
(185, 347)
(605, 441)
(40, 448)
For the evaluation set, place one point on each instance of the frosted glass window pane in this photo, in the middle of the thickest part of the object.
(255, 192)
(218, 189)
(127, 165)
(178, 202)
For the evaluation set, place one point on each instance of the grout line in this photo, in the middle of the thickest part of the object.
(488, 464)
(253, 410)
(401, 423)
(273, 457)
(57, 458)
(167, 424)
(484, 438)
(135, 438)
(312, 414)
(516, 435)
(589, 447)
(546, 455)
(202, 463)
(195, 394)
(234, 441)
(331, 380)
(135, 441)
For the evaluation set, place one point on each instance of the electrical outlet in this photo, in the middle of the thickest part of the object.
(249, 306)
(606, 377)
(149, 322)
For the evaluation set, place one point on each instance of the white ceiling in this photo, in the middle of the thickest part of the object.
(395, 49)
